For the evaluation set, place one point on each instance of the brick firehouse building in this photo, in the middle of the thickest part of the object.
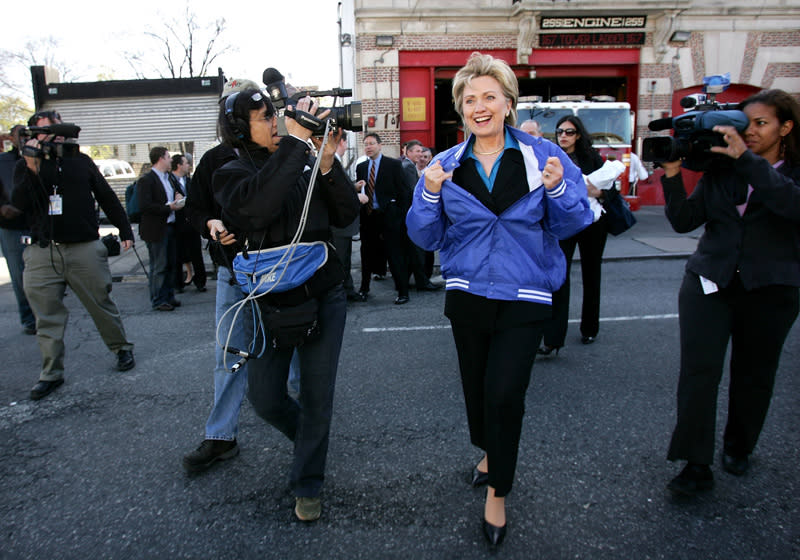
(402, 55)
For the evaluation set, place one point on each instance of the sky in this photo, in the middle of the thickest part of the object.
(93, 34)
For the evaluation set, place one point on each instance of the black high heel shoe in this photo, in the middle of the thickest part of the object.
(479, 478)
(493, 533)
(546, 350)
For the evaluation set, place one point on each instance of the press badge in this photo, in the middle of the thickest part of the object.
(709, 287)
(55, 208)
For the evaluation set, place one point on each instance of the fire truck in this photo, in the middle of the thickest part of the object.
(610, 123)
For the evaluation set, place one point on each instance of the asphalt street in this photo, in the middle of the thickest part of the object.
(95, 468)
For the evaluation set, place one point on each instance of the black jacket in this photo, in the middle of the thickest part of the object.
(79, 184)
(8, 160)
(391, 191)
(763, 245)
(263, 195)
(200, 203)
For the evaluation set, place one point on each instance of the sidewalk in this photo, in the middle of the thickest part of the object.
(651, 238)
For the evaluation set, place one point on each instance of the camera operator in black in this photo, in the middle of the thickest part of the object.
(58, 195)
(741, 284)
(262, 193)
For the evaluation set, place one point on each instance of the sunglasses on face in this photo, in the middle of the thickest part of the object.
(567, 131)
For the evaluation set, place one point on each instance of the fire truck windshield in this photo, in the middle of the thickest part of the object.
(607, 125)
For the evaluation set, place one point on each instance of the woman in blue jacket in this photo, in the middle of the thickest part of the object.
(495, 207)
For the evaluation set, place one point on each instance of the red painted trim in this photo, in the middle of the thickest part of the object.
(450, 58)
(583, 57)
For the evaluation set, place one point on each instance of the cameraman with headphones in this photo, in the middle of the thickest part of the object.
(58, 195)
(263, 193)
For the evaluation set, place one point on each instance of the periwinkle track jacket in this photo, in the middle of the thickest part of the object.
(511, 256)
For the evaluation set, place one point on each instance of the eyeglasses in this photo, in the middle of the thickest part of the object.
(567, 131)
(267, 117)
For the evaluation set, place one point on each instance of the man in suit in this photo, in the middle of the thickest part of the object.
(158, 202)
(383, 180)
(413, 151)
(189, 246)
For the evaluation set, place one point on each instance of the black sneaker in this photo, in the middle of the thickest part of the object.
(694, 478)
(210, 451)
(44, 388)
(125, 360)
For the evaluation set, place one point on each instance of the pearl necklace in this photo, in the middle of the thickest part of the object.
(474, 151)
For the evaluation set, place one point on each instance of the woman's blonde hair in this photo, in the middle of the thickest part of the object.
(486, 65)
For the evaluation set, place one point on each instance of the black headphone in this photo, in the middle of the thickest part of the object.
(238, 126)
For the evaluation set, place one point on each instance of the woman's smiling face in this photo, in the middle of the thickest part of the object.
(485, 107)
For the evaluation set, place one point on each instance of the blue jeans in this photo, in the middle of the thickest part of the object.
(307, 422)
(229, 388)
(12, 251)
(163, 261)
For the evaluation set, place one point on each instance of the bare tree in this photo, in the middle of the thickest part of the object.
(15, 80)
(37, 52)
(177, 45)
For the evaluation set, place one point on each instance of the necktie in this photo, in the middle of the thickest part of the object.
(371, 186)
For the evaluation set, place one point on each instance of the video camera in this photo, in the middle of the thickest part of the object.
(50, 149)
(347, 116)
(693, 131)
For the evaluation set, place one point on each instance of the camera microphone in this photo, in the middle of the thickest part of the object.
(660, 124)
(67, 130)
(276, 87)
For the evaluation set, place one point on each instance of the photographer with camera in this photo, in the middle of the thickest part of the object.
(56, 186)
(740, 284)
(263, 194)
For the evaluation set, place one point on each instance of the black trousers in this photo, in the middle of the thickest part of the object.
(397, 248)
(495, 372)
(344, 249)
(373, 250)
(592, 242)
(306, 422)
(757, 323)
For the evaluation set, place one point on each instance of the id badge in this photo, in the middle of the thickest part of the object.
(55, 208)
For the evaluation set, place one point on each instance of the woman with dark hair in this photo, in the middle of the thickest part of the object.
(495, 207)
(577, 143)
(741, 284)
(263, 195)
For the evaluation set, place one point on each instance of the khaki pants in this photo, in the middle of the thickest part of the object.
(84, 268)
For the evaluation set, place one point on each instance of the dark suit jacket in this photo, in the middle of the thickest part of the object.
(763, 245)
(411, 174)
(153, 204)
(391, 191)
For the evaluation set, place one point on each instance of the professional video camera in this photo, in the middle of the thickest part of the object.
(694, 134)
(347, 116)
(51, 148)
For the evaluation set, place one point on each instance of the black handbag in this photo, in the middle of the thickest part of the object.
(619, 217)
(112, 244)
(291, 325)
